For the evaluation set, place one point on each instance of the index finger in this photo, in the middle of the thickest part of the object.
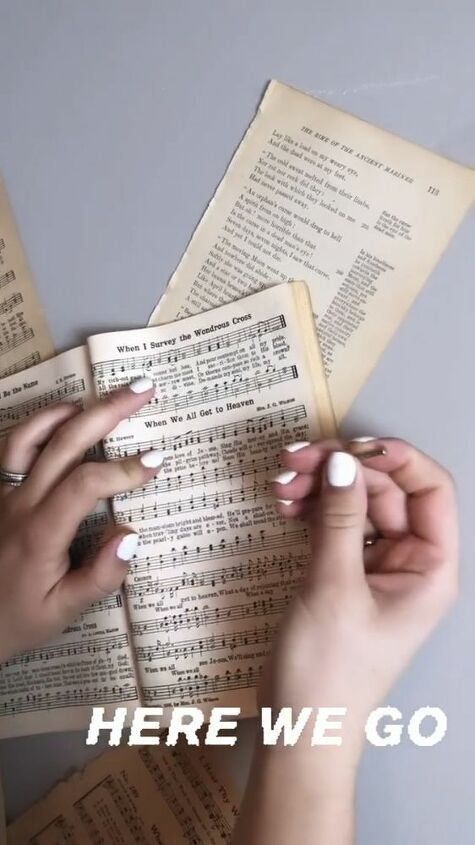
(429, 488)
(69, 443)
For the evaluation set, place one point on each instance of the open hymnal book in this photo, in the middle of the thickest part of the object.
(315, 193)
(216, 565)
(128, 796)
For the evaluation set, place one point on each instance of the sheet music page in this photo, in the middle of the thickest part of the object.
(53, 687)
(313, 193)
(216, 565)
(24, 336)
(151, 796)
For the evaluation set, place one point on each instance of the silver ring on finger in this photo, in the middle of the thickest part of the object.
(372, 539)
(13, 479)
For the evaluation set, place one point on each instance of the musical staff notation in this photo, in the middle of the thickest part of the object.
(23, 364)
(10, 303)
(202, 502)
(195, 618)
(16, 340)
(252, 570)
(184, 649)
(249, 544)
(84, 547)
(108, 603)
(68, 698)
(220, 390)
(70, 649)
(242, 470)
(201, 686)
(165, 788)
(58, 828)
(14, 413)
(7, 278)
(119, 366)
(125, 812)
(89, 537)
(279, 420)
(205, 796)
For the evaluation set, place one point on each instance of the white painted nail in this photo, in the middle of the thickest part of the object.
(341, 469)
(127, 547)
(152, 459)
(294, 447)
(362, 439)
(140, 385)
(285, 477)
(285, 501)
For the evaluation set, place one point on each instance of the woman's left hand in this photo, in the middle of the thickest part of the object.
(40, 594)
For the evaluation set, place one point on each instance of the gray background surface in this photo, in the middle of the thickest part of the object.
(117, 120)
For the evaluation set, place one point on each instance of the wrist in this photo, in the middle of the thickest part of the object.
(333, 738)
(293, 793)
(321, 770)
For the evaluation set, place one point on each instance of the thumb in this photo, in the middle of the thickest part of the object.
(98, 577)
(340, 517)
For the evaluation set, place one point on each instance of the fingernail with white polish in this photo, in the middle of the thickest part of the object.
(294, 447)
(127, 547)
(285, 477)
(362, 439)
(141, 385)
(341, 469)
(152, 459)
(285, 501)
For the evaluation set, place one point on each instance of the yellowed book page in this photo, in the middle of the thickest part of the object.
(24, 336)
(216, 565)
(151, 796)
(53, 687)
(314, 193)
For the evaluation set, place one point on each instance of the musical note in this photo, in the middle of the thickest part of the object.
(14, 413)
(166, 789)
(195, 617)
(205, 796)
(213, 500)
(212, 476)
(195, 687)
(59, 828)
(16, 340)
(23, 364)
(108, 603)
(69, 649)
(89, 537)
(124, 811)
(216, 642)
(184, 555)
(220, 390)
(10, 303)
(261, 567)
(68, 698)
(143, 363)
(7, 278)
(279, 420)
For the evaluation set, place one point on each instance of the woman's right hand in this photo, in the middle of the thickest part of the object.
(40, 594)
(357, 621)
(363, 612)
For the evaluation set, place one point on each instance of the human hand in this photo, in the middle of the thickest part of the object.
(362, 613)
(357, 620)
(39, 592)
